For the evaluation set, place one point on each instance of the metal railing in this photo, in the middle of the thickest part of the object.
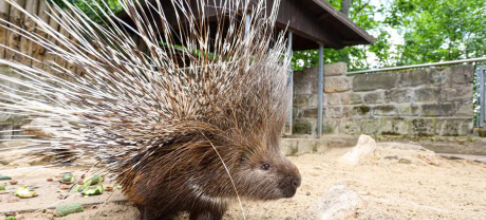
(474, 60)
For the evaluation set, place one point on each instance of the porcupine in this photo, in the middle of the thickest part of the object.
(186, 129)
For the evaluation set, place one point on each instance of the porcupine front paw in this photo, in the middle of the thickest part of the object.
(206, 215)
(147, 215)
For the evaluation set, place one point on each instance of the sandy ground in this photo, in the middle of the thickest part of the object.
(427, 188)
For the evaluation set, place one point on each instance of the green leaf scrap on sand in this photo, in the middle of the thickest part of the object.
(92, 191)
(88, 188)
(93, 180)
(2, 187)
(78, 188)
(25, 193)
(2, 177)
(67, 178)
(10, 218)
(67, 209)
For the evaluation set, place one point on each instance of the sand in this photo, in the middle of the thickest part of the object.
(429, 187)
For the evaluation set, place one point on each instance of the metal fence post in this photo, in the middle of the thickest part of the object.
(290, 84)
(320, 90)
(482, 97)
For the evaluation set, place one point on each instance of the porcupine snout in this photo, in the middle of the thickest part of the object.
(291, 181)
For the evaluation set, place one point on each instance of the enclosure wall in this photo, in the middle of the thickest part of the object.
(429, 102)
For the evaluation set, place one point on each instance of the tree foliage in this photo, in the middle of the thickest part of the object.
(432, 31)
(93, 8)
(439, 30)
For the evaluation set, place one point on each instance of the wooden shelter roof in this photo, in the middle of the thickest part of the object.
(313, 22)
(316, 21)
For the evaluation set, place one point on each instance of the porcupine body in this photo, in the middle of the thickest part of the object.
(185, 130)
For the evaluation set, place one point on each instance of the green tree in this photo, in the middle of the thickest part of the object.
(432, 31)
(439, 30)
(93, 8)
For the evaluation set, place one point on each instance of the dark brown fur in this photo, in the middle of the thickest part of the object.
(194, 179)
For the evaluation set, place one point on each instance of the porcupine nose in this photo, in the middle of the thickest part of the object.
(291, 187)
(297, 182)
(293, 181)
(297, 179)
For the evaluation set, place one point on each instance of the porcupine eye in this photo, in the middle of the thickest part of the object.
(265, 166)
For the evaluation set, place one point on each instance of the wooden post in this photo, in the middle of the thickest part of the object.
(4, 14)
(48, 56)
(59, 59)
(39, 52)
(13, 39)
(26, 45)
(320, 90)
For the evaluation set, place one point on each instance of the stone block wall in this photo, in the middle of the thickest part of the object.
(431, 102)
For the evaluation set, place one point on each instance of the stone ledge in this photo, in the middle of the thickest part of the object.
(451, 145)
(305, 145)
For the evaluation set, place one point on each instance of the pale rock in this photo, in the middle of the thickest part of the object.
(339, 203)
(395, 157)
(404, 161)
(430, 157)
(365, 147)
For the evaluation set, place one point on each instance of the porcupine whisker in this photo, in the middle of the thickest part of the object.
(230, 177)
